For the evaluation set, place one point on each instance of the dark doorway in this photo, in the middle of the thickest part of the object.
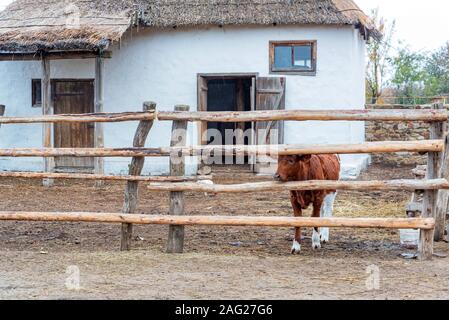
(230, 94)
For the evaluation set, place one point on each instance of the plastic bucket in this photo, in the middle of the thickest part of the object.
(409, 238)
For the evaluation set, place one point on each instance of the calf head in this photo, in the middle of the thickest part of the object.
(289, 167)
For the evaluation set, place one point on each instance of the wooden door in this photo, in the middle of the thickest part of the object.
(270, 95)
(73, 97)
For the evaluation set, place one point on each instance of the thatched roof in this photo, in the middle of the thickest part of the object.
(46, 25)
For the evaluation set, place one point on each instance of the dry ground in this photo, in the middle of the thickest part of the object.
(219, 263)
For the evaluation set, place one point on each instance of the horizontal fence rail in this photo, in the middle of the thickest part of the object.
(306, 115)
(410, 185)
(287, 222)
(244, 116)
(95, 177)
(392, 106)
(82, 118)
(275, 150)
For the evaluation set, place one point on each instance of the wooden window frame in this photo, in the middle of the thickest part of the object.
(34, 102)
(294, 71)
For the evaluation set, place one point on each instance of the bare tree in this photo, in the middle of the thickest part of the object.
(378, 56)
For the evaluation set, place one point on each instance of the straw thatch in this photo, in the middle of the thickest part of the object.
(46, 25)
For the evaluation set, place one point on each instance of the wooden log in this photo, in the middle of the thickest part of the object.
(433, 169)
(175, 243)
(81, 118)
(272, 150)
(442, 203)
(47, 109)
(68, 55)
(135, 169)
(99, 105)
(82, 176)
(307, 115)
(237, 221)
(425, 248)
(410, 185)
(421, 115)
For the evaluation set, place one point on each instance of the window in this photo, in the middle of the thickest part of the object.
(36, 93)
(297, 57)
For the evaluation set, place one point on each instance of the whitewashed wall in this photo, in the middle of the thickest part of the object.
(162, 66)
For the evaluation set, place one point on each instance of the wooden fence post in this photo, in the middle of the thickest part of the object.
(47, 109)
(442, 203)
(135, 169)
(175, 242)
(99, 106)
(431, 196)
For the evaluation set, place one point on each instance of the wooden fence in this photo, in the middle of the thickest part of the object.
(435, 185)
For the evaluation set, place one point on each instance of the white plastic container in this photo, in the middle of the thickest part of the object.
(409, 238)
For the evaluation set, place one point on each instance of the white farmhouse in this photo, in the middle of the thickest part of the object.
(220, 55)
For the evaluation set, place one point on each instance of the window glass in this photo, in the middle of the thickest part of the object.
(283, 57)
(303, 56)
(36, 93)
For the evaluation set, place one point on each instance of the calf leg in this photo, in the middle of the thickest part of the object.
(327, 209)
(316, 240)
(296, 248)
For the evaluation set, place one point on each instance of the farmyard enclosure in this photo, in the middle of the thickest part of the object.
(267, 206)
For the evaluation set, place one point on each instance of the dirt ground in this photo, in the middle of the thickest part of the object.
(38, 260)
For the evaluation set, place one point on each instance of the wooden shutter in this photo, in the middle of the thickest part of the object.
(270, 95)
(202, 106)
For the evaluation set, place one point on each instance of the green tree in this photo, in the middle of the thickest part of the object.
(378, 57)
(409, 73)
(437, 72)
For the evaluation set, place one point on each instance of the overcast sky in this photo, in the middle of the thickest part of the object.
(423, 25)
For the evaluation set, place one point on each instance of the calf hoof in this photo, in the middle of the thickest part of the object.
(296, 248)
(324, 235)
(316, 240)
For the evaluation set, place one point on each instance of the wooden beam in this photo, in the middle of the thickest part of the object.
(47, 109)
(63, 55)
(272, 150)
(135, 169)
(434, 160)
(442, 202)
(99, 105)
(410, 185)
(237, 221)
(82, 176)
(81, 118)
(306, 115)
(175, 243)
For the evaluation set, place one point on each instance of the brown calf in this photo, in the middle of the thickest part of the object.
(310, 167)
